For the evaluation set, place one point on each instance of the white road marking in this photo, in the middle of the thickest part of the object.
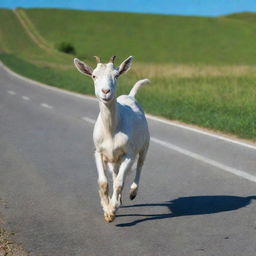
(197, 130)
(206, 160)
(198, 157)
(44, 105)
(25, 98)
(201, 132)
(12, 92)
(88, 119)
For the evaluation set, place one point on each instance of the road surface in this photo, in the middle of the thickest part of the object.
(197, 194)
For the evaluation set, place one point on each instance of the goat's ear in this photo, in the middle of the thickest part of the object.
(125, 65)
(82, 67)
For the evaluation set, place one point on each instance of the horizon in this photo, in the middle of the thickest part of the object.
(203, 8)
(132, 12)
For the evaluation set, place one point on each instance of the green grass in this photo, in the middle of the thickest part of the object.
(202, 69)
(70, 80)
(226, 104)
(243, 16)
(150, 38)
(15, 40)
(13, 37)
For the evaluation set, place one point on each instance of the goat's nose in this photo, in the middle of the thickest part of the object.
(105, 91)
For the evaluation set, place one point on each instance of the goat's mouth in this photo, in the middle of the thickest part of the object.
(106, 99)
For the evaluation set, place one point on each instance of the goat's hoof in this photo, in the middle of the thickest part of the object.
(133, 194)
(109, 217)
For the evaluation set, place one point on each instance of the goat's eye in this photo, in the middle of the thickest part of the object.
(93, 77)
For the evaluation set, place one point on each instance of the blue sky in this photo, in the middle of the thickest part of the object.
(178, 7)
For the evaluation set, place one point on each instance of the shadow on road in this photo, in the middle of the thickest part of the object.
(185, 206)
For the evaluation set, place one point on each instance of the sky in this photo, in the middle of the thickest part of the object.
(174, 7)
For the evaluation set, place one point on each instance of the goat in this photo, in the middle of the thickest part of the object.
(120, 132)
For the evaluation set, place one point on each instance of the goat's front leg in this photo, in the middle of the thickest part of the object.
(119, 182)
(103, 185)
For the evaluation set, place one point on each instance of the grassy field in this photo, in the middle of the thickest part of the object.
(202, 69)
(150, 38)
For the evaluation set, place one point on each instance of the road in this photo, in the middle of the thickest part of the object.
(197, 194)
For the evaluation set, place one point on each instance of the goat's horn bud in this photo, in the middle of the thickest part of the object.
(112, 59)
(97, 59)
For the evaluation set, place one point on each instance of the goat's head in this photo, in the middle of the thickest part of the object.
(104, 76)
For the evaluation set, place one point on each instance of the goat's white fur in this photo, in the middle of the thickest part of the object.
(120, 132)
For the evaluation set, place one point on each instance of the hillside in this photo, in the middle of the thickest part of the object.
(243, 16)
(151, 38)
(202, 69)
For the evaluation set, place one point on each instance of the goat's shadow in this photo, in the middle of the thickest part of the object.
(185, 206)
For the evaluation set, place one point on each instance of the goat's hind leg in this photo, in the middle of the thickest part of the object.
(135, 184)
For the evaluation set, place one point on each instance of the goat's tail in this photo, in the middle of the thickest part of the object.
(137, 86)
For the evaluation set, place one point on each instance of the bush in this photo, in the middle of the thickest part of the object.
(66, 47)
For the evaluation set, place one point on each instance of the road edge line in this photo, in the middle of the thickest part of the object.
(198, 130)
(206, 160)
(198, 157)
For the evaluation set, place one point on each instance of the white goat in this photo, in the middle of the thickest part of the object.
(120, 133)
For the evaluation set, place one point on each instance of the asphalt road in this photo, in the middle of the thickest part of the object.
(197, 194)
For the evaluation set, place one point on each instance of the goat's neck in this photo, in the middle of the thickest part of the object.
(110, 116)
